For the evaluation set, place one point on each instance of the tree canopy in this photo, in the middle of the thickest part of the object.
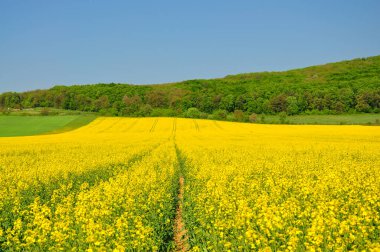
(343, 87)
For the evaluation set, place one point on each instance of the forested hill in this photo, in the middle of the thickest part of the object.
(343, 87)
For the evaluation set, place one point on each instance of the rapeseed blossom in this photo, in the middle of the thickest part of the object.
(112, 186)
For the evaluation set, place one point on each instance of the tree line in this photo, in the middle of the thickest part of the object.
(344, 87)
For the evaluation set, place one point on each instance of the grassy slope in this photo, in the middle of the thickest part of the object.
(362, 119)
(33, 125)
(74, 124)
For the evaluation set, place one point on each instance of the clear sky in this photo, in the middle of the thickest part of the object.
(49, 42)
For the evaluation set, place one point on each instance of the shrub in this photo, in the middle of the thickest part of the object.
(45, 112)
(145, 110)
(253, 118)
(262, 118)
(193, 113)
(230, 117)
(220, 114)
(5, 111)
(163, 112)
(239, 115)
(282, 117)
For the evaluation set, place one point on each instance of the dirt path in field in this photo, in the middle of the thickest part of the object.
(180, 232)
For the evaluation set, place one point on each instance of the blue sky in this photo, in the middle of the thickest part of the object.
(49, 42)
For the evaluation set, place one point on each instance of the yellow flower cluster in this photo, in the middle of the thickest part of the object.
(112, 186)
(283, 187)
(98, 188)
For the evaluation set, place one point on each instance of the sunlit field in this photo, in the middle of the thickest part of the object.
(113, 185)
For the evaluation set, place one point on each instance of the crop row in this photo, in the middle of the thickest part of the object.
(114, 184)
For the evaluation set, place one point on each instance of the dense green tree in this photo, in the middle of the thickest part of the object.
(341, 87)
(84, 103)
(292, 105)
(176, 95)
(253, 118)
(240, 102)
(338, 107)
(145, 110)
(132, 104)
(157, 98)
(193, 113)
(228, 103)
(239, 115)
(119, 108)
(220, 114)
(102, 103)
(69, 101)
(278, 103)
(206, 104)
(59, 100)
(10, 100)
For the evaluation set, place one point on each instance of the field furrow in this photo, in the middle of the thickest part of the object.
(159, 184)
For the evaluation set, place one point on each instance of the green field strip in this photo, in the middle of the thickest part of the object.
(11, 126)
(80, 121)
(344, 119)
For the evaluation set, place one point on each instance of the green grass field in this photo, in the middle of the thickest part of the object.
(362, 119)
(48, 111)
(34, 125)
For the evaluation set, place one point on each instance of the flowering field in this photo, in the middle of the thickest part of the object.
(114, 185)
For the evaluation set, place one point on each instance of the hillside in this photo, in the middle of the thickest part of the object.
(335, 88)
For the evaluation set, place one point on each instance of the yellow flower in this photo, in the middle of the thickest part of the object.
(114, 185)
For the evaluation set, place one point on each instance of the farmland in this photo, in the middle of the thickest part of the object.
(114, 184)
(18, 125)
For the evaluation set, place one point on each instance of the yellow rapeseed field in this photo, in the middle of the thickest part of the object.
(113, 186)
